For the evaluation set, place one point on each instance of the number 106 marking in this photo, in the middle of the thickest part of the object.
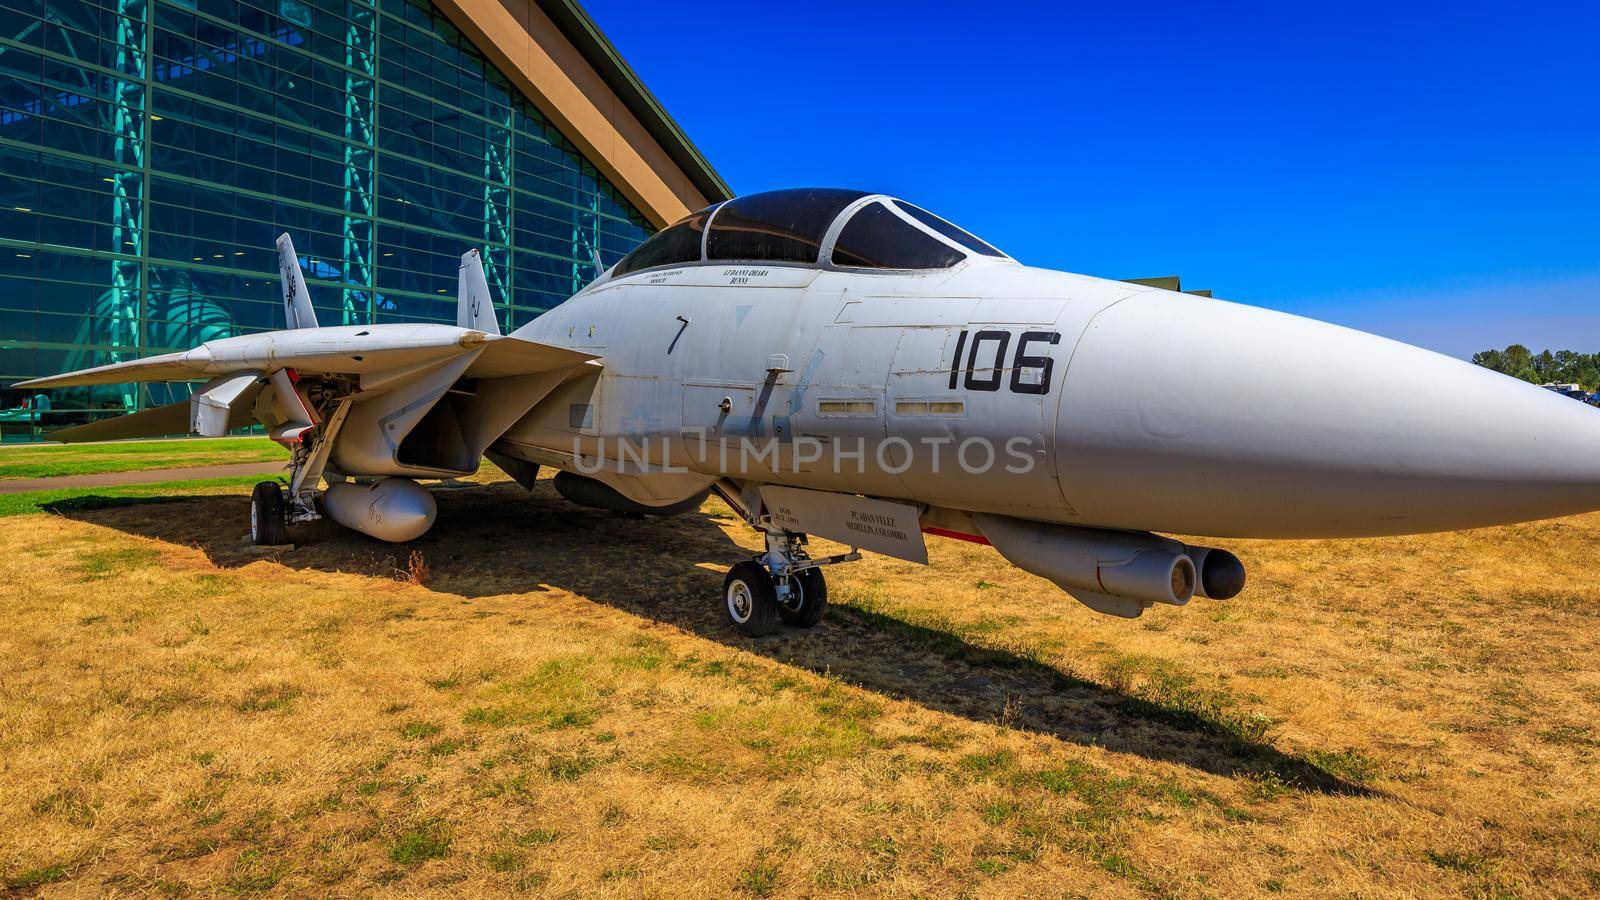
(991, 378)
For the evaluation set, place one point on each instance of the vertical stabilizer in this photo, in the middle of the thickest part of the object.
(297, 311)
(474, 306)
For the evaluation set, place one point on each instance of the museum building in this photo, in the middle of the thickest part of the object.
(152, 150)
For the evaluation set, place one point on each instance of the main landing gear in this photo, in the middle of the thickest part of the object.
(784, 584)
(269, 515)
(273, 506)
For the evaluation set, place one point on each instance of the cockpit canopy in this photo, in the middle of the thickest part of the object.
(810, 226)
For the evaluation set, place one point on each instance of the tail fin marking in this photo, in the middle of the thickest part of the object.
(474, 306)
(297, 311)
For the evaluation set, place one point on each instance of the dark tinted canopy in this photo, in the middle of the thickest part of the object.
(960, 236)
(777, 226)
(677, 244)
(876, 238)
(788, 227)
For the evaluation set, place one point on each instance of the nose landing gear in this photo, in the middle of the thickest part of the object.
(751, 598)
(784, 584)
(808, 598)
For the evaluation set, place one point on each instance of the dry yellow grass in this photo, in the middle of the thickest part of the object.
(558, 706)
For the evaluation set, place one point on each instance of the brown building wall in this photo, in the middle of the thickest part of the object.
(528, 47)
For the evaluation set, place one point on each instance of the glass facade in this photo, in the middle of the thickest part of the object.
(152, 150)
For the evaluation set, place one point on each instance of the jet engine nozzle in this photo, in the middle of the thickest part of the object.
(1117, 572)
(389, 509)
(1152, 573)
(1221, 573)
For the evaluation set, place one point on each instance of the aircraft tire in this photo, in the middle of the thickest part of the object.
(810, 599)
(268, 517)
(750, 599)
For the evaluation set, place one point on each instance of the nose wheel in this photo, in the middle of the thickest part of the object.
(807, 599)
(751, 598)
(783, 585)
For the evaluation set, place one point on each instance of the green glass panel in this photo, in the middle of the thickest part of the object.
(157, 147)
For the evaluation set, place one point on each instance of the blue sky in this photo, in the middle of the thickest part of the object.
(1427, 172)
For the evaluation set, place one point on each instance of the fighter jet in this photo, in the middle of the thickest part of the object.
(847, 365)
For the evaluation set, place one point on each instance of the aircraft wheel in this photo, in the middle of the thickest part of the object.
(808, 598)
(751, 599)
(269, 520)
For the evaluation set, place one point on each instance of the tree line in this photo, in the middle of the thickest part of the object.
(1562, 366)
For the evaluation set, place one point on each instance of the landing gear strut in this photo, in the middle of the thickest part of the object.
(783, 584)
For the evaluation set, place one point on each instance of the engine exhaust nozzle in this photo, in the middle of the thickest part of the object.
(1221, 573)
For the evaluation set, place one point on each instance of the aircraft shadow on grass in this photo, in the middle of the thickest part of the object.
(498, 539)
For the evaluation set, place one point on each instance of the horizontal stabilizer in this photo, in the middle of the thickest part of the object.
(509, 356)
(166, 367)
(158, 422)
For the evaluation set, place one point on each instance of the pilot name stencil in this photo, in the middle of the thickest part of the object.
(743, 276)
(870, 523)
(893, 529)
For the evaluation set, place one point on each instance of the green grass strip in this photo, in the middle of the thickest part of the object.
(75, 499)
(47, 461)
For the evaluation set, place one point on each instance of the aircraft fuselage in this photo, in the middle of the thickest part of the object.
(1000, 388)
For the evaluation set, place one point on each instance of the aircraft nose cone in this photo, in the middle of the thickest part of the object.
(1201, 416)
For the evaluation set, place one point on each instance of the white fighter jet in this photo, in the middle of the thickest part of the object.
(848, 365)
